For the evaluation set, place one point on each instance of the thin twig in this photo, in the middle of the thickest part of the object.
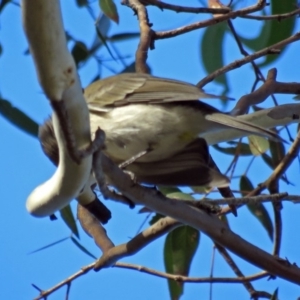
(217, 19)
(277, 17)
(245, 200)
(81, 272)
(212, 272)
(258, 74)
(180, 278)
(240, 62)
(142, 269)
(249, 287)
(277, 207)
(285, 163)
(186, 9)
(279, 171)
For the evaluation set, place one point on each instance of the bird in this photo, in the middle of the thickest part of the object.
(153, 129)
(162, 121)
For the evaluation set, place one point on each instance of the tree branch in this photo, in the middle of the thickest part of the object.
(208, 224)
(59, 80)
(217, 19)
(238, 63)
(186, 9)
(145, 36)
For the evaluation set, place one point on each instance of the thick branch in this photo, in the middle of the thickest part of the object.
(145, 38)
(269, 87)
(198, 219)
(58, 77)
(152, 233)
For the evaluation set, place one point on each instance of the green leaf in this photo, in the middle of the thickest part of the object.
(123, 36)
(242, 149)
(49, 245)
(103, 24)
(180, 196)
(275, 295)
(109, 9)
(18, 118)
(212, 51)
(103, 40)
(179, 249)
(280, 30)
(168, 189)
(268, 160)
(273, 31)
(259, 42)
(81, 3)
(80, 52)
(3, 3)
(258, 209)
(82, 248)
(68, 217)
(258, 144)
(277, 152)
(200, 189)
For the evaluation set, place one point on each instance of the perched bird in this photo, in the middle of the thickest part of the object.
(156, 123)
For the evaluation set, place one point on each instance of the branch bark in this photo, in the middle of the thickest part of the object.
(200, 220)
(58, 77)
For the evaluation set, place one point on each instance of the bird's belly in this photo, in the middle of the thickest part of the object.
(163, 129)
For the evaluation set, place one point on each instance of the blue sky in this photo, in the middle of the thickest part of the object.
(24, 166)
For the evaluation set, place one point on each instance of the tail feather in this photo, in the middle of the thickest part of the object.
(242, 125)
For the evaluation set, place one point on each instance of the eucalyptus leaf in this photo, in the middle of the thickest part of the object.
(109, 8)
(68, 217)
(80, 52)
(82, 248)
(282, 29)
(179, 250)
(49, 245)
(18, 118)
(212, 49)
(3, 3)
(123, 36)
(82, 3)
(257, 209)
(258, 144)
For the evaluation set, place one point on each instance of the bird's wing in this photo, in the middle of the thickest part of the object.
(141, 88)
(189, 167)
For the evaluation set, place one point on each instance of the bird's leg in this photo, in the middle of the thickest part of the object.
(132, 159)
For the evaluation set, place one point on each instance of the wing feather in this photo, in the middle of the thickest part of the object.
(142, 88)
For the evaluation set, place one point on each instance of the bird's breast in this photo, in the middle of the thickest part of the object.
(165, 129)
